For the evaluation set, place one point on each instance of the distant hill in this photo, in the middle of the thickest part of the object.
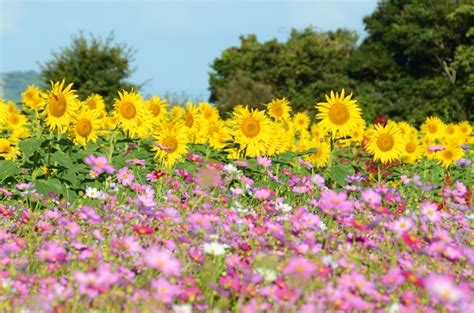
(16, 82)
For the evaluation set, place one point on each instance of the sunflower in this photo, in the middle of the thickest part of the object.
(279, 109)
(321, 156)
(301, 121)
(386, 143)
(339, 115)
(85, 127)
(61, 105)
(465, 128)
(449, 155)
(15, 121)
(157, 107)
(171, 143)
(8, 151)
(208, 112)
(317, 132)
(433, 128)
(176, 113)
(252, 131)
(218, 134)
(32, 98)
(412, 150)
(96, 103)
(130, 113)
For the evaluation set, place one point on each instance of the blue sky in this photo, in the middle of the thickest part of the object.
(175, 41)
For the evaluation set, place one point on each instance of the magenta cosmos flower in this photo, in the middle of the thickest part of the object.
(162, 260)
(300, 267)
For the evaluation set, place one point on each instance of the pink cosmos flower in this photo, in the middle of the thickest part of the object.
(264, 161)
(125, 176)
(52, 252)
(393, 278)
(332, 202)
(300, 267)
(442, 288)
(99, 164)
(165, 292)
(402, 225)
(371, 197)
(162, 260)
(430, 210)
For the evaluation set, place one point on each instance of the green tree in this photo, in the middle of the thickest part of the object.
(417, 60)
(302, 69)
(94, 65)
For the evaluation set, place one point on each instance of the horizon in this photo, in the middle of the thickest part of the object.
(184, 37)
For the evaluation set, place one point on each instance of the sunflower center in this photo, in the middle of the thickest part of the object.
(155, 109)
(448, 155)
(450, 130)
(188, 119)
(410, 147)
(92, 104)
(339, 114)
(127, 110)
(250, 127)
(57, 105)
(171, 144)
(84, 127)
(277, 111)
(385, 142)
(432, 128)
(14, 119)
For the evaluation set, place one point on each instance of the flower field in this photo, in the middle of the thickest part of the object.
(145, 207)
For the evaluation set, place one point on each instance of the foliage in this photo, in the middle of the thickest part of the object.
(94, 65)
(417, 60)
(309, 64)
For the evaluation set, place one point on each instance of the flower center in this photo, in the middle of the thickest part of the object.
(277, 111)
(92, 104)
(171, 144)
(338, 114)
(57, 105)
(448, 155)
(432, 128)
(155, 109)
(385, 142)
(14, 119)
(188, 119)
(250, 127)
(83, 127)
(127, 110)
(410, 147)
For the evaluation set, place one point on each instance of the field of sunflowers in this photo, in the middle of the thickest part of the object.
(151, 208)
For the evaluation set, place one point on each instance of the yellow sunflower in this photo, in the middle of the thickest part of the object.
(15, 121)
(279, 109)
(85, 127)
(301, 121)
(176, 113)
(157, 107)
(433, 128)
(171, 144)
(465, 128)
(386, 143)
(449, 155)
(208, 112)
(8, 150)
(96, 103)
(61, 105)
(339, 115)
(252, 131)
(130, 113)
(412, 150)
(321, 156)
(218, 134)
(32, 98)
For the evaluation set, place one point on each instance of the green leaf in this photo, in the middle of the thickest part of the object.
(62, 159)
(8, 169)
(339, 173)
(71, 176)
(53, 184)
(30, 146)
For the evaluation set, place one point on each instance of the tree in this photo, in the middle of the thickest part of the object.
(304, 68)
(417, 60)
(94, 66)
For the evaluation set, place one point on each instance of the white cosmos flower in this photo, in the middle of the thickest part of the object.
(215, 248)
(92, 193)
